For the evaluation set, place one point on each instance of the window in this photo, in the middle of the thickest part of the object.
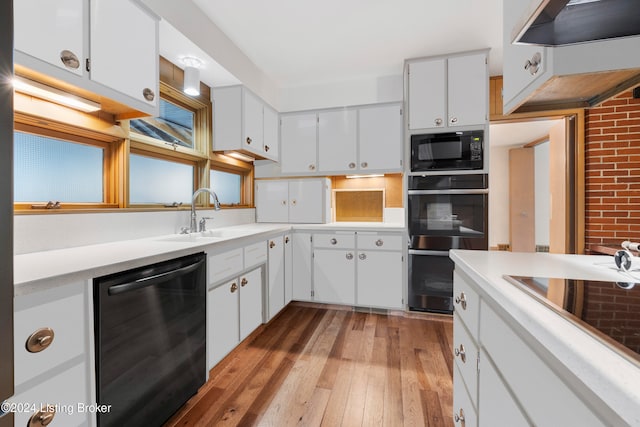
(227, 186)
(153, 180)
(175, 125)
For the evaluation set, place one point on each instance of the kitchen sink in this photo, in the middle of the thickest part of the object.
(209, 236)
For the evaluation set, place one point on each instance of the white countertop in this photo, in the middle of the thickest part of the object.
(37, 270)
(609, 375)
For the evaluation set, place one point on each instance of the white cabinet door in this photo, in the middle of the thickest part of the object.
(464, 413)
(301, 266)
(380, 138)
(253, 122)
(51, 31)
(380, 279)
(250, 302)
(298, 139)
(334, 276)
(222, 321)
(271, 150)
(306, 200)
(276, 297)
(497, 406)
(272, 201)
(124, 49)
(288, 269)
(337, 140)
(468, 90)
(427, 94)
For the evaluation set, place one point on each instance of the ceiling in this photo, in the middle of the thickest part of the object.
(298, 43)
(519, 133)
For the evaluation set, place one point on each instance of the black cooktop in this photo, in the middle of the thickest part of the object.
(610, 311)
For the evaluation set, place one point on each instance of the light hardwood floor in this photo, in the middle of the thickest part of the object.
(318, 366)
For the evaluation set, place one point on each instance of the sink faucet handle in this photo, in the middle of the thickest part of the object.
(202, 225)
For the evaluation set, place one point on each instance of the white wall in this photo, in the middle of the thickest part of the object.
(365, 90)
(542, 193)
(499, 195)
(34, 233)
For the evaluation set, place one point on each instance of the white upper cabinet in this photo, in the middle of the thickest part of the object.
(108, 48)
(298, 143)
(337, 140)
(272, 201)
(449, 92)
(124, 49)
(295, 200)
(52, 31)
(380, 138)
(243, 122)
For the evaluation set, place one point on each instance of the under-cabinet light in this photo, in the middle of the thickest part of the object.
(365, 176)
(239, 156)
(52, 94)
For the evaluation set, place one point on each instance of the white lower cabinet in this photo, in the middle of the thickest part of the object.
(276, 294)
(301, 266)
(379, 279)
(50, 341)
(235, 310)
(334, 275)
(288, 268)
(464, 413)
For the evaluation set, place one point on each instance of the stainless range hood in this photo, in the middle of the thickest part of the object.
(562, 22)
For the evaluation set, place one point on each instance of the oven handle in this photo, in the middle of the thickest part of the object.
(457, 191)
(431, 253)
(153, 280)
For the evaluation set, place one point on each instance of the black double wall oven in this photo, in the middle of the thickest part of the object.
(447, 209)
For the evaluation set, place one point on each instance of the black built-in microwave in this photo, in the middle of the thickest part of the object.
(447, 151)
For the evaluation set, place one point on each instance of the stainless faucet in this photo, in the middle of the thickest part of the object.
(194, 220)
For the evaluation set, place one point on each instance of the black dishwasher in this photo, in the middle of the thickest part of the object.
(150, 340)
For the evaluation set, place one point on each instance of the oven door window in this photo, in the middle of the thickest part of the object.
(461, 215)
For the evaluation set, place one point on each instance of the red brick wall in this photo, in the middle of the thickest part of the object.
(612, 169)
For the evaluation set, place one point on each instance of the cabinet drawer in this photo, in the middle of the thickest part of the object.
(462, 406)
(66, 392)
(60, 309)
(465, 352)
(466, 303)
(335, 240)
(224, 265)
(255, 254)
(386, 242)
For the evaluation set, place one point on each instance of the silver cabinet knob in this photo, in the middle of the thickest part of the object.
(462, 300)
(283, 203)
(362, 256)
(272, 244)
(352, 165)
(294, 202)
(364, 164)
(453, 120)
(438, 122)
(286, 240)
(244, 282)
(266, 148)
(234, 287)
(333, 241)
(312, 167)
(39, 340)
(459, 418)
(249, 140)
(379, 242)
(459, 352)
(533, 64)
(349, 256)
(148, 94)
(69, 59)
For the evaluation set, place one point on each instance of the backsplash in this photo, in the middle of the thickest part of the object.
(34, 233)
(612, 169)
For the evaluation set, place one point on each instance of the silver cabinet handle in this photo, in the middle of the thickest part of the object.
(333, 241)
(244, 282)
(234, 287)
(349, 256)
(69, 59)
(364, 164)
(148, 94)
(362, 256)
(39, 340)
(533, 64)
(286, 240)
(379, 242)
(453, 120)
(312, 167)
(249, 140)
(459, 418)
(352, 165)
(459, 352)
(462, 300)
(438, 121)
